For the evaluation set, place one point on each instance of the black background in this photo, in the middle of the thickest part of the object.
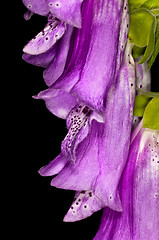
(39, 207)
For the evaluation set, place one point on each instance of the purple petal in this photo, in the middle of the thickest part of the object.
(84, 206)
(37, 6)
(117, 133)
(68, 11)
(82, 174)
(143, 76)
(55, 69)
(41, 60)
(77, 122)
(58, 102)
(101, 156)
(45, 39)
(143, 81)
(97, 51)
(54, 167)
(139, 188)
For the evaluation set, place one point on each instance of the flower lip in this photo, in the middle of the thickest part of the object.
(44, 40)
(77, 121)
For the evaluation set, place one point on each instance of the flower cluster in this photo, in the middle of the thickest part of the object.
(91, 77)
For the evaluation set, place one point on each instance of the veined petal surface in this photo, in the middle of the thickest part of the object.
(100, 159)
(97, 51)
(139, 190)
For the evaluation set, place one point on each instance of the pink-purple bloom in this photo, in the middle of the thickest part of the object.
(139, 190)
(91, 78)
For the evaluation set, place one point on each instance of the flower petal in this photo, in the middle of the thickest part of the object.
(96, 55)
(84, 206)
(139, 190)
(77, 122)
(37, 6)
(68, 11)
(59, 102)
(44, 40)
(82, 174)
(117, 133)
(143, 76)
(41, 60)
(55, 69)
(54, 167)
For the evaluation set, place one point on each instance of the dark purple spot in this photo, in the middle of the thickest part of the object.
(141, 86)
(85, 110)
(132, 84)
(83, 192)
(90, 194)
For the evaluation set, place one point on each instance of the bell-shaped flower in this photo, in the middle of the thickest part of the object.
(139, 190)
(94, 153)
(95, 54)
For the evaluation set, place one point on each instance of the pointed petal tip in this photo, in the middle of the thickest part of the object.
(71, 218)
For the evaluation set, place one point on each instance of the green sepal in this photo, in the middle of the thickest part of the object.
(137, 51)
(149, 94)
(156, 47)
(151, 43)
(141, 102)
(151, 114)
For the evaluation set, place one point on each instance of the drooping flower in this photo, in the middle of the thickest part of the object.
(139, 190)
(95, 52)
(51, 45)
(94, 153)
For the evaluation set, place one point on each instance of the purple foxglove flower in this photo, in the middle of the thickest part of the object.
(139, 190)
(94, 153)
(95, 55)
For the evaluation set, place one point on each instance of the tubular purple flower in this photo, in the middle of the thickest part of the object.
(89, 57)
(139, 190)
(95, 54)
(95, 150)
